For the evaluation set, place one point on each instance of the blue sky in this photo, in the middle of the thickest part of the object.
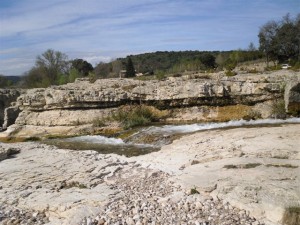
(101, 30)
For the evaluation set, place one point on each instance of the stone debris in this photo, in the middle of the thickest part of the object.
(14, 216)
(150, 198)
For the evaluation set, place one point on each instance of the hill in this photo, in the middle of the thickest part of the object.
(176, 62)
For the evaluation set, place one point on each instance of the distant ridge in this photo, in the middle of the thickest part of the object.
(14, 79)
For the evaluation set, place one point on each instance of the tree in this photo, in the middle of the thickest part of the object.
(208, 60)
(103, 70)
(251, 47)
(281, 40)
(36, 77)
(82, 66)
(130, 71)
(267, 40)
(4, 82)
(53, 63)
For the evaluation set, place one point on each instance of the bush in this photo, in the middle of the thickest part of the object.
(296, 66)
(230, 73)
(132, 116)
(160, 75)
(252, 115)
(194, 191)
(291, 216)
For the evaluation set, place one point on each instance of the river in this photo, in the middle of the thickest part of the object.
(148, 139)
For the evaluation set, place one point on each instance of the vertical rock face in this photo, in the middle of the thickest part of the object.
(7, 96)
(10, 116)
(292, 96)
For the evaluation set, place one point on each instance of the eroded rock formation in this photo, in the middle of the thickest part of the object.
(189, 99)
(7, 96)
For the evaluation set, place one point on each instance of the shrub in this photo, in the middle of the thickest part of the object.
(132, 116)
(242, 166)
(291, 216)
(282, 165)
(194, 191)
(230, 73)
(160, 75)
(252, 115)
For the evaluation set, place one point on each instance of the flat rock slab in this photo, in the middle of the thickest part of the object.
(240, 173)
(256, 169)
(66, 184)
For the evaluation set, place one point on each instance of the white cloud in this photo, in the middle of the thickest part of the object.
(99, 30)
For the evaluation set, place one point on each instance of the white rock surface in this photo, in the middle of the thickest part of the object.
(200, 161)
(43, 184)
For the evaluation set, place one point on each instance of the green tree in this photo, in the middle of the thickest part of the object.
(103, 70)
(4, 82)
(267, 40)
(53, 63)
(281, 40)
(208, 60)
(36, 77)
(74, 73)
(82, 66)
(130, 71)
(251, 47)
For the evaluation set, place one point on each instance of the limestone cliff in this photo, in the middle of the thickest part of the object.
(7, 96)
(189, 98)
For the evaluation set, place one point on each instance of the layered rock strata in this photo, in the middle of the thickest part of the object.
(188, 98)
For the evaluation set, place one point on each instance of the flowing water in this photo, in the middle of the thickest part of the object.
(149, 139)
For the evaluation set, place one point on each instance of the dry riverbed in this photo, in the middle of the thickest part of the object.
(235, 176)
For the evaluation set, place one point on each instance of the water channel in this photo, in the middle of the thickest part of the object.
(148, 139)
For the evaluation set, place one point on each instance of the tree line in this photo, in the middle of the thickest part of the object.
(54, 68)
(279, 41)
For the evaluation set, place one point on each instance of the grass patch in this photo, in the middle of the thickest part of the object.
(72, 184)
(133, 116)
(282, 165)
(242, 166)
(32, 139)
(291, 216)
(230, 73)
(280, 157)
(194, 191)
(129, 87)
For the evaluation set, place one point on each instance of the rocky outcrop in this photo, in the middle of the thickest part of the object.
(189, 98)
(6, 152)
(173, 92)
(7, 96)
(292, 95)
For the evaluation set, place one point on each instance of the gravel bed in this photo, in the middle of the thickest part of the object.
(157, 201)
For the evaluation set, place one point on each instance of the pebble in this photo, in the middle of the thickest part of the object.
(149, 201)
(11, 216)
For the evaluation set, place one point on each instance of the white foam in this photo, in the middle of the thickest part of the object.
(173, 129)
(208, 126)
(98, 139)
